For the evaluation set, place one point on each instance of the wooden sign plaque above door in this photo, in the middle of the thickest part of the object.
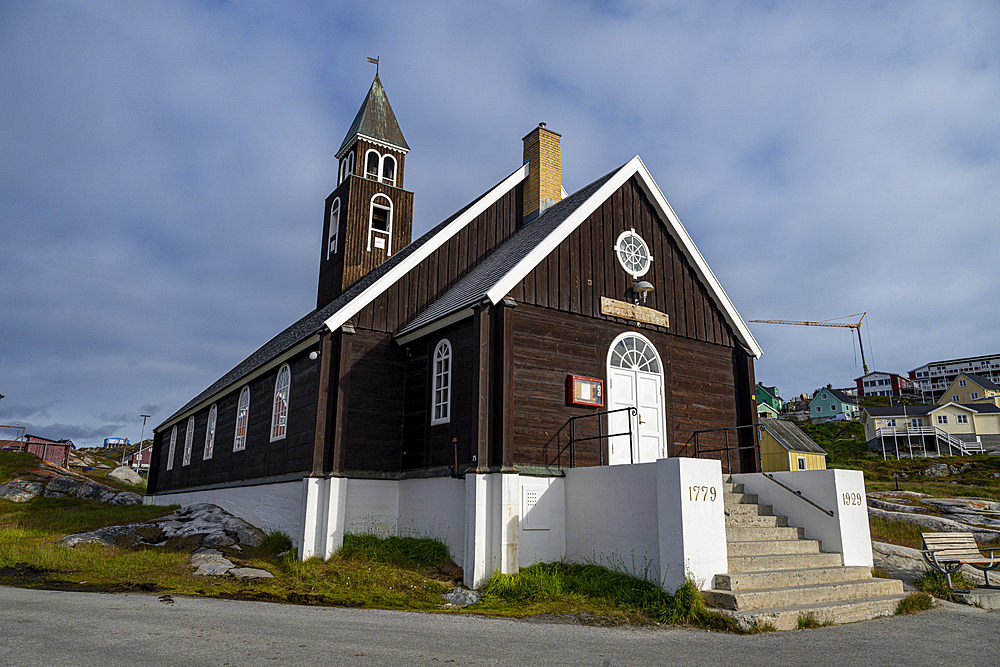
(630, 311)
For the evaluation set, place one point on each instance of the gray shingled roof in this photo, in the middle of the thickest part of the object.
(375, 119)
(985, 383)
(791, 436)
(472, 289)
(314, 321)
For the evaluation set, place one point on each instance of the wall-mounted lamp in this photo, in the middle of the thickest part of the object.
(314, 355)
(641, 289)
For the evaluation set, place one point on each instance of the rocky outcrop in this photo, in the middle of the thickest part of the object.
(201, 525)
(48, 484)
(204, 528)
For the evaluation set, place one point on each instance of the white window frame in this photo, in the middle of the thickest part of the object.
(634, 271)
(242, 420)
(378, 165)
(371, 219)
(441, 373)
(331, 246)
(346, 167)
(974, 396)
(962, 383)
(213, 416)
(802, 462)
(890, 423)
(188, 441)
(916, 422)
(279, 406)
(961, 419)
(381, 170)
(173, 445)
(955, 398)
(942, 420)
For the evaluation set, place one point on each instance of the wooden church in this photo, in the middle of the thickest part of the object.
(445, 385)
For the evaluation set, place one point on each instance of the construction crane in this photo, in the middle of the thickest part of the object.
(830, 323)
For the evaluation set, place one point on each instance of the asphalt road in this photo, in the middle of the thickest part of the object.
(54, 628)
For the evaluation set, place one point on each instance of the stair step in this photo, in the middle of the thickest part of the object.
(748, 533)
(844, 611)
(783, 562)
(729, 487)
(730, 499)
(785, 596)
(747, 520)
(738, 581)
(773, 547)
(750, 510)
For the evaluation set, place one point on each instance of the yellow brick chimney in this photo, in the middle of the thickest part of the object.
(543, 187)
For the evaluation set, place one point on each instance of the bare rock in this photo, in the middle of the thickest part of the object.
(461, 596)
(250, 573)
(126, 498)
(125, 475)
(20, 491)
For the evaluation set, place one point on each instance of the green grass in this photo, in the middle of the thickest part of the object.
(935, 583)
(13, 464)
(896, 532)
(914, 602)
(597, 592)
(808, 621)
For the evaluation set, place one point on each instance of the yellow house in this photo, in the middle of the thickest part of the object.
(785, 446)
(970, 388)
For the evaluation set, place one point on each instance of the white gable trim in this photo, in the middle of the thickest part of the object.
(351, 308)
(950, 404)
(436, 325)
(635, 167)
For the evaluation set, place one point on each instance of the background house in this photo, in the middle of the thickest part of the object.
(971, 388)
(785, 446)
(828, 403)
(769, 403)
(932, 427)
(881, 383)
(935, 378)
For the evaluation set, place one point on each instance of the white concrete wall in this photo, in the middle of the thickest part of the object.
(372, 507)
(840, 491)
(612, 518)
(270, 507)
(542, 512)
(434, 508)
(692, 521)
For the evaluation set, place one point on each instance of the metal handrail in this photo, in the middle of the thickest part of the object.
(698, 451)
(797, 493)
(600, 430)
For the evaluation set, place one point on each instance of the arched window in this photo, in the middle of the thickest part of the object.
(346, 167)
(279, 410)
(213, 415)
(242, 416)
(372, 163)
(173, 445)
(634, 353)
(441, 398)
(380, 223)
(389, 169)
(188, 441)
(331, 248)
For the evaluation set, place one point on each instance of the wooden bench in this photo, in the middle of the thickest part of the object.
(947, 552)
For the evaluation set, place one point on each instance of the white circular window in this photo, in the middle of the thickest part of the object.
(633, 253)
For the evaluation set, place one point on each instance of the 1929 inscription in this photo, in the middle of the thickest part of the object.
(635, 312)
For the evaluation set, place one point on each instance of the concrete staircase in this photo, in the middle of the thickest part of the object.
(776, 575)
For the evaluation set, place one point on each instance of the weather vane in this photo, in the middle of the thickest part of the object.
(374, 61)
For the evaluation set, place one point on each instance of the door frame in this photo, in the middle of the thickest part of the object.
(662, 402)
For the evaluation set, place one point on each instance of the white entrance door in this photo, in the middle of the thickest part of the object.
(636, 380)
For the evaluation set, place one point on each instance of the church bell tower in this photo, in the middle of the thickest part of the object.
(369, 216)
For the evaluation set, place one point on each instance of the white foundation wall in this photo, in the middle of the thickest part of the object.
(542, 518)
(270, 507)
(434, 508)
(372, 507)
(839, 491)
(612, 518)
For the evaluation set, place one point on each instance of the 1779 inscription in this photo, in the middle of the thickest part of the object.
(635, 312)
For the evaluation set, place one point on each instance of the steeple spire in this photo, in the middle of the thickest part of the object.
(376, 121)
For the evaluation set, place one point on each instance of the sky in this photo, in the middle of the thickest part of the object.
(163, 168)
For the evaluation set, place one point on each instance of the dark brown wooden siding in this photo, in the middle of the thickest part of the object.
(374, 427)
(699, 388)
(261, 457)
(443, 267)
(583, 268)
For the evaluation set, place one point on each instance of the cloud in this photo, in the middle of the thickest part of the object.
(163, 168)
